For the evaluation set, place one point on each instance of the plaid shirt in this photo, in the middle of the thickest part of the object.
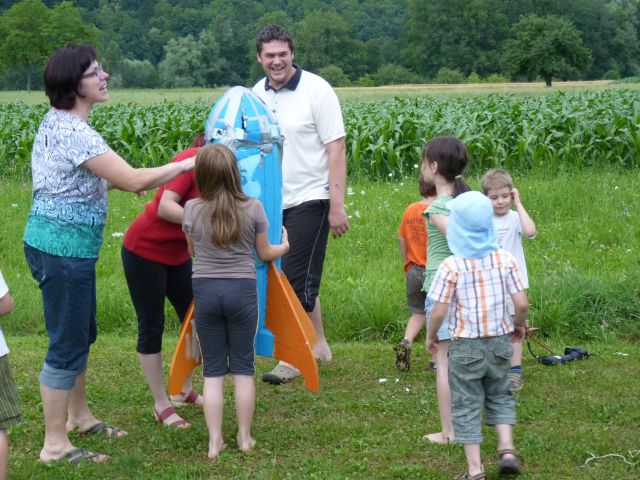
(477, 292)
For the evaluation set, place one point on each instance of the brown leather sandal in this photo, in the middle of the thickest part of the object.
(184, 399)
(509, 466)
(165, 414)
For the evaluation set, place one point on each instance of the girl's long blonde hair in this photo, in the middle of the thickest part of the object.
(219, 181)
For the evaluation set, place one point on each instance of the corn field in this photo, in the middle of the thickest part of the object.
(384, 138)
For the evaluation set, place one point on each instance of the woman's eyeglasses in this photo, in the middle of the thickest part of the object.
(95, 73)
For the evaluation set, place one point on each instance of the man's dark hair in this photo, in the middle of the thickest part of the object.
(63, 74)
(272, 33)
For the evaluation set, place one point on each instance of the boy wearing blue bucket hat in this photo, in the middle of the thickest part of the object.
(473, 285)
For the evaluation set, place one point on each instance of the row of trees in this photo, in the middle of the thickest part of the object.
(181, 43)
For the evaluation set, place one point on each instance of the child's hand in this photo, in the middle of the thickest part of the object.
(285, 236)
(517, 335)
(516, 197)
(432, 345)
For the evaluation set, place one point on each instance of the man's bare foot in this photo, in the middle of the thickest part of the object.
(321, 351)
(246, 444)
(215, 447)
(439, 438)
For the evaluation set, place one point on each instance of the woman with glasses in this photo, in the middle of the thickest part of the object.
(72, 169)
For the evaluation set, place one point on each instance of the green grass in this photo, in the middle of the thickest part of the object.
(356, 427)
(585, 291)
(583, 266)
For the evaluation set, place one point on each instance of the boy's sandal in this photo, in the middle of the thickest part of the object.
(466, 476)
(190, 398)
(509, 466)
(76, 456)
(110, 431)
(166, 413)
(403, 355)
(515, 382)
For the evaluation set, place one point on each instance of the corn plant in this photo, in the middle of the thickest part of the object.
(548, 133)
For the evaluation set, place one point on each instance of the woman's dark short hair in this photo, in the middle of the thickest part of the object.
(272, 33)
(63, 73)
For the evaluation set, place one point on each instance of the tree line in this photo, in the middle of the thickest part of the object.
(185, 43)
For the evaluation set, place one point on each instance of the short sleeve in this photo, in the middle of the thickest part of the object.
(187, 218)
(514, 279)
(438, 207)
(260, 217)
(328, 114)
(444, 283)
(184, 182)
(402, 231)
(84, 144)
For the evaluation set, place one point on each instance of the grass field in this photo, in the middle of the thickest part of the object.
(584, 272)
(583, 266)
(366, 422)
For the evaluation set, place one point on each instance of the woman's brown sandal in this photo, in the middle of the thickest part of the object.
(509, 466)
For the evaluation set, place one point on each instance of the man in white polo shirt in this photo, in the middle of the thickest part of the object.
(313, 173)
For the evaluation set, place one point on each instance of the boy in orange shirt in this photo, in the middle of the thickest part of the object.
(412, 240)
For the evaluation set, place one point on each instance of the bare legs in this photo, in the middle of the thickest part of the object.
(444, 396)
(79, 414)
(56, 404)
(4, 454)
(474, 464)
(56, 440)
(213, 407)
(321, 349)
(516, 359)
(404, 347)
(505, 442)
(245, 406)
(414, 325)
(245, 400)
(153, 372)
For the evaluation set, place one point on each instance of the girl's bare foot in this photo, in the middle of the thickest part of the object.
(215, 447)
(440, 438)
(246, 444)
